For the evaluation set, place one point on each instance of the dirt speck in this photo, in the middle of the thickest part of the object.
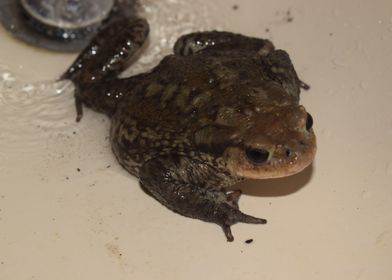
(248, 241)
(289, 17)
(114, 250)
(286, 16)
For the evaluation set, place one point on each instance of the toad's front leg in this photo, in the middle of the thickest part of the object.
(188, 187)
(95, 70)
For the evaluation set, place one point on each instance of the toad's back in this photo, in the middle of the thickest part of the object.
(164, 108)
(196, 87)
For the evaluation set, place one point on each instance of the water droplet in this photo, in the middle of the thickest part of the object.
(28, 87)
(7, 77)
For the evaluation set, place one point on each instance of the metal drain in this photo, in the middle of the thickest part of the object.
(60, 25)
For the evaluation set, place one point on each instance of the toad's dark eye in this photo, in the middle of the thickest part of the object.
(257, 156)
(309, 121)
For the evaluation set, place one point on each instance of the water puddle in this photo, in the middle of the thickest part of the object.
(40, 117)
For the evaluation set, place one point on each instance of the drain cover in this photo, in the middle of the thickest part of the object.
(60, 25)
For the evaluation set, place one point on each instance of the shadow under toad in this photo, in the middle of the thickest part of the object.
(275, 187)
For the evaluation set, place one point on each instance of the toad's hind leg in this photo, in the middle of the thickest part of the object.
(180, 184)
(107, 55)
(194, 42)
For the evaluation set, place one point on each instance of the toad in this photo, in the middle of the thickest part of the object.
(222, 108)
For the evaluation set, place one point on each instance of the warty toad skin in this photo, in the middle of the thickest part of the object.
(224, 107)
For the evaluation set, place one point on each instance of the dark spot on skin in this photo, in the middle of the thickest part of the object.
(267, 30)
(66, 178)
(74, 132)
(330, 34)
(249, 241)
(108, 166)
(78, 169)
(235, 7)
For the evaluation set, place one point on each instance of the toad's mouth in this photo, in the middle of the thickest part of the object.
(279, 163)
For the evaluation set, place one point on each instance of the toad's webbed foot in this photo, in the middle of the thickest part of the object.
(180, 184)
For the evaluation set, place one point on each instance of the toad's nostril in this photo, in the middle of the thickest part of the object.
(257, 156)
(288, 152)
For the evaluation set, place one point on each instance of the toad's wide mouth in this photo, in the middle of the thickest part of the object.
(279, 164)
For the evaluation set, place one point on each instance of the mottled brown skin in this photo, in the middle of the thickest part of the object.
(222, 108)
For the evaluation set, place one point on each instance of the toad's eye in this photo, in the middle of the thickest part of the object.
(309, 121)
(257, 156)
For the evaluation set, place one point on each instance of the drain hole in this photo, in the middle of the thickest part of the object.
(60, 25)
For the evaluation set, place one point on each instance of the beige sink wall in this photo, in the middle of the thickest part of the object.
(333, 221)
